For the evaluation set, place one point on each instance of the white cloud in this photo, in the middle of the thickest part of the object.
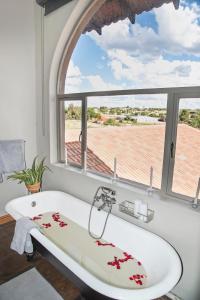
(72, 84)
(73, 71)
(98, 84)
(73, 78)
(155, 73)
(152, 74)
(76, 82)
(136, 54)
(136, 41)
(179, 29)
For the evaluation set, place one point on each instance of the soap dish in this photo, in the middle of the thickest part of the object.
(128, 208)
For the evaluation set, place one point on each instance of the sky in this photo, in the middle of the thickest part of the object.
(162, 49)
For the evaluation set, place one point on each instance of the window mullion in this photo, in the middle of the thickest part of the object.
(168, 141)
(174, 124)
(84, 131)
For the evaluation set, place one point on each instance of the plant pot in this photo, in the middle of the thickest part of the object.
(33, 188)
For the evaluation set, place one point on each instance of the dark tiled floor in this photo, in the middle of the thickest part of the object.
(12, 264)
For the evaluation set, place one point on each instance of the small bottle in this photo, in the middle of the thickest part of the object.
(143, 211)
(137, 204)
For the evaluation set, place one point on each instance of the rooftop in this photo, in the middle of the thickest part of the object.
(137, 148)
(94, 162)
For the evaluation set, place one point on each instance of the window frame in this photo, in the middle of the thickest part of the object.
(61, 130)
(174, 95)
(174, 130)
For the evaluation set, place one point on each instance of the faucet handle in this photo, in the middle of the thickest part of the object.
(107, 191)
(106, 195)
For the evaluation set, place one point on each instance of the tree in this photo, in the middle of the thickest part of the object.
(195, 122)
(91, 113)
(103, 109)
(184, 116)
(73, 112)
(111, 122)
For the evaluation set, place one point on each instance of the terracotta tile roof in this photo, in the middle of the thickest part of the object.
(137, 148)
(93, 161)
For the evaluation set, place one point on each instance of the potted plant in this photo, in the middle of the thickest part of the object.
(32, 177)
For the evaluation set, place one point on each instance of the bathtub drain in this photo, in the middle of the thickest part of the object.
(33, 203)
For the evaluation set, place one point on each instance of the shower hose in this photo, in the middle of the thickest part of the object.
(90, 217)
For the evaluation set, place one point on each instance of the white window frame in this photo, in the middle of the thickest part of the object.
(173, 97)
(173, 121)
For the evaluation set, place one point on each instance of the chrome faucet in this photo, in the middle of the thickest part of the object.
(106, 195)
(102, 206)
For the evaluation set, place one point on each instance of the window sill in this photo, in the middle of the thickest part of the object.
(156, 196)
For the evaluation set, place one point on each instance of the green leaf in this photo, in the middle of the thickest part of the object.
(31, 175)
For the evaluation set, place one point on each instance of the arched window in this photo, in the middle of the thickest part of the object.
(131, 95)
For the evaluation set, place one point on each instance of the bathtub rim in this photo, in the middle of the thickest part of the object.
(161, 288)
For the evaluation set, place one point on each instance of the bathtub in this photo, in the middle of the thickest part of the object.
(160, 260)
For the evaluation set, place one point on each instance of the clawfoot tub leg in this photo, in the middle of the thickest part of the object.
(30, 256)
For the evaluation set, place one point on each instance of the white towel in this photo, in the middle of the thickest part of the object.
(22, 239)
(12, 156)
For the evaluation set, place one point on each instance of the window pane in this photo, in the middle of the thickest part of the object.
(187, 158)
(130, 128)
(145, 54)
(73, 133)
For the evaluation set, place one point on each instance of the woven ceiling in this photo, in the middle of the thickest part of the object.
(115, 10)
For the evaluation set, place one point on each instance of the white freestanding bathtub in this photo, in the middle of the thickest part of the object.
(160, 260)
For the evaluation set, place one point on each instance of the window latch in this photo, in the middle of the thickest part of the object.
(80, 136)
(172, 150)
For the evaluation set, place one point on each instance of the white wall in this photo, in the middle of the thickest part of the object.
(174, 221)
(17, 82)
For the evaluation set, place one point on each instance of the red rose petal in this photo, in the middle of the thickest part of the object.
(137, 278)
(46, 225)
(99, 243)
(36, 218)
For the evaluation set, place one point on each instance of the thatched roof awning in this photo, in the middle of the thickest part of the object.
(111, 11)
(115, 10)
